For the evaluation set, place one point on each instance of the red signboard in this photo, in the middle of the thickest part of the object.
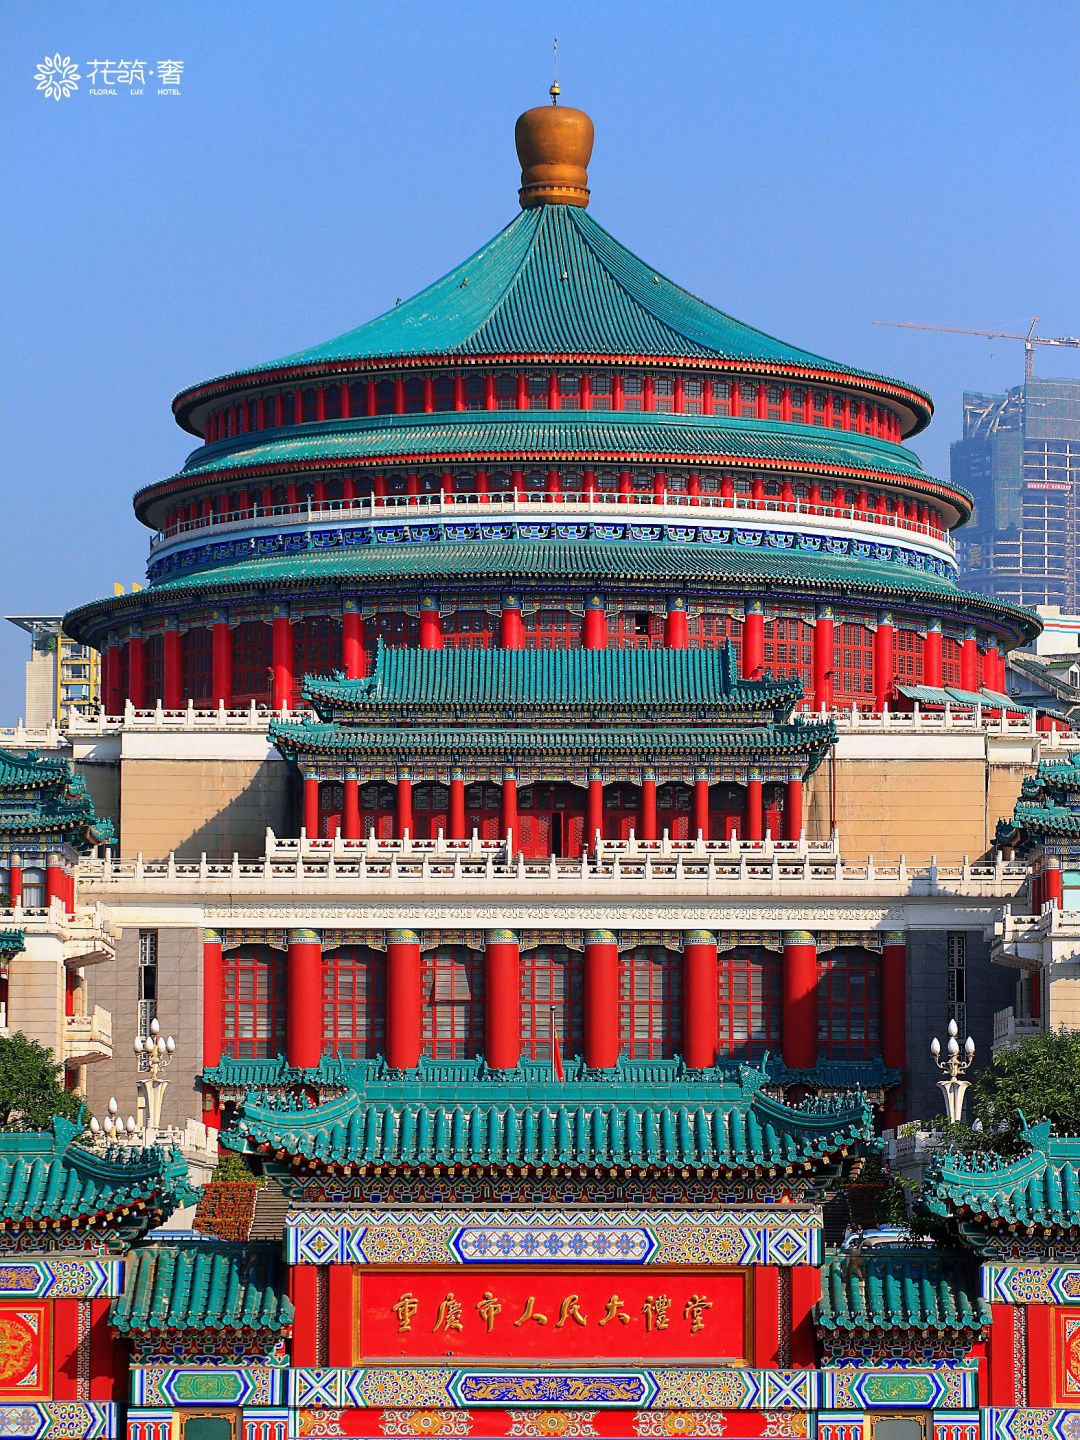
(559, 1316)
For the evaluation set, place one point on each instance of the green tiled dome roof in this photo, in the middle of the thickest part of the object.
(553, 282)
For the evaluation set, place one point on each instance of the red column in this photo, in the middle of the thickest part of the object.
(304, 1000)
(601, 1000)
(311, 806)
(677, 624)
(699, 999)
(793, 810)
(509, 816)
(136, 686)
(994, 669)
(456, 818)
(753, 640)
(403, 1000)
(511, 629)
(502, 1000)
(554, 484)
(1053, 889)
(213, 1028)
(823, 658)
(753, 818)
(594, 809)
(172, 672)
(931, 664)
(15, 879)
(969, 661)
(799, 1013)
(353, 659)
(594, 631)
(404, 807)
(350, 809)
(281, 663)
(222, 662)
(701, 808)
(647, 811)
(55, 880)
(894, 1015)
(884, 664)
(431, 636)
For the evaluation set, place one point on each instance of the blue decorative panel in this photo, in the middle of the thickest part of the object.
(1031, 1284)
(949, 1386)
(60, 1279)
(58, 1420)
(764, 1236)
(181, 1385)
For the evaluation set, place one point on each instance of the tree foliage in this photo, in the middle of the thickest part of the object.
(31, 1086)
(1038, 1079)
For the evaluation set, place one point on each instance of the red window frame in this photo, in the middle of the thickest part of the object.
(354, 1002)
(854, 662)
(849, 1004)
(552, 980)
(749, 1002)
(253, 1002)
(453, 991)
(650, 1002)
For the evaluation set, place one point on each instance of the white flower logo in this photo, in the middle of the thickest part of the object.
(57, 76)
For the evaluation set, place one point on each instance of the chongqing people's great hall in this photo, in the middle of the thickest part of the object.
(554, 769)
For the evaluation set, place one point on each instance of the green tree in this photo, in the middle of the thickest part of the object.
(31, 1086)
(1039, 1078)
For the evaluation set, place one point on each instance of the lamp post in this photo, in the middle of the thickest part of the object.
(158, 1052)
(953, 1087)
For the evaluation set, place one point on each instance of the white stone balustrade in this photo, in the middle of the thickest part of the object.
(87, 937)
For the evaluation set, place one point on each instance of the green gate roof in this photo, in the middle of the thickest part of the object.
(1038, 1191)
(584, 1126)
(878, 1289)
(48, 1179)
(211, 1286)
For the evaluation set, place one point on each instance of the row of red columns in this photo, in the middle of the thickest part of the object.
(59, 882)
(753, 823)
(512, 637)
(502, 1011)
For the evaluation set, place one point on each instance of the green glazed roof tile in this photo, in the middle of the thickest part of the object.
(1036, 1191)
(902, 1289)
(554, 282)
(46, 1178)
(11, 943)
(47, 799)
(655, 677)
(588, 435)
(586, 1125)
(204, 1287)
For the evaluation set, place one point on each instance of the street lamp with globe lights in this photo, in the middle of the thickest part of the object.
(953, 1087)
(157, 1050)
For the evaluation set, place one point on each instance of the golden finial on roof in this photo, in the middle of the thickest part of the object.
(554, 144)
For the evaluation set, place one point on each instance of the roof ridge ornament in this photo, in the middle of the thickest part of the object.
(554, 145)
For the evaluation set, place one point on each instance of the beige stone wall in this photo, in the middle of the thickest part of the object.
(915, 808)
(196, 806)
(36, 996)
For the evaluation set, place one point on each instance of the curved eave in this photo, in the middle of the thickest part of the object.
(187, 404)
(772, 571)
(536, 437)
(553, 284)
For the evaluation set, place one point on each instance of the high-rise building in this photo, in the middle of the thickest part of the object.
(1020, 460)
(62, 674)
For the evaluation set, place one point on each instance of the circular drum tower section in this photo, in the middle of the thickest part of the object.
(553, 447)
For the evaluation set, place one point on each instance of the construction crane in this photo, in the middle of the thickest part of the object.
(1030, 339)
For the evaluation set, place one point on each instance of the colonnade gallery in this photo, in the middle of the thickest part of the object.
(550, 572)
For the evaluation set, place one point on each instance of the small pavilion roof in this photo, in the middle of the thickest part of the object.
(890, 1289)
(657, 679)
(204, 1287)
(48, 1179)
(47, 798)
(1037, 1191)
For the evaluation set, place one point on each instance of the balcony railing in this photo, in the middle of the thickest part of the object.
(87, 937)
(255, 719)
(88, 1038)
(676, 507)
(1010, 1029)
(494, 869)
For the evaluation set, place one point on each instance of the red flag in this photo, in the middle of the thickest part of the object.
(556, 1051)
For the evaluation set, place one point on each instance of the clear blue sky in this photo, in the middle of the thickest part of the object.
(810, 167)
